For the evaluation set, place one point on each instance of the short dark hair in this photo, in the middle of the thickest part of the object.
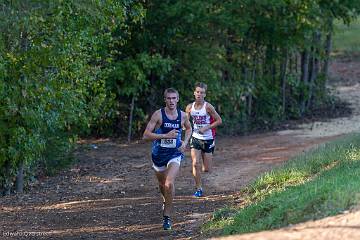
(170, 90)
(201, 85)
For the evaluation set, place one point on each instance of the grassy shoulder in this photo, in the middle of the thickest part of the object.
(322, 182)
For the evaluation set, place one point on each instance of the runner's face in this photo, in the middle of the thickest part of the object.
(199, 94)
(171, 100)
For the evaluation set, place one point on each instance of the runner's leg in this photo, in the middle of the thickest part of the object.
(169, 189)
(196, 166)
(207, 161)
(161, 177)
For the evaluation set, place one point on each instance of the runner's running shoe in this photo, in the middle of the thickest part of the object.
(166, 223)
(198, 193)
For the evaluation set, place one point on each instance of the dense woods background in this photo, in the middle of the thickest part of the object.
(71, 68)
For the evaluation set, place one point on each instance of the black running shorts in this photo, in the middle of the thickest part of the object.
(207, 146)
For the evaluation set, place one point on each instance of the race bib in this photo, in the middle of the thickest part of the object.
(168, 143)
(199, 126)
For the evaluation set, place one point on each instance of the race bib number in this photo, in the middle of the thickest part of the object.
(168, 143)
(199, 126)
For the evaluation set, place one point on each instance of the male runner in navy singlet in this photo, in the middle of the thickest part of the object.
(205, 119)
(164, 129)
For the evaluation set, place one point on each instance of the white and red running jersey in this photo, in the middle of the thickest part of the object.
(201, 118)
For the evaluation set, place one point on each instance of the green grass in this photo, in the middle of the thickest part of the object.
(347, 37)
(316, 184)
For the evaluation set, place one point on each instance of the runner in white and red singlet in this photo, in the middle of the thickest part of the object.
(202, 143)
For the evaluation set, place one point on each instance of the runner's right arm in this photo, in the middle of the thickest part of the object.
(188, 110)
(155, 122)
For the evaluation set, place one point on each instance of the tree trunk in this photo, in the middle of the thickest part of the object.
(314, 68)
(273, 72)
(19, 184)
(304, 79)
(283, 69)
(7, 179)
(253, 80)
(296, 62)
(328, 48)
(131, 118)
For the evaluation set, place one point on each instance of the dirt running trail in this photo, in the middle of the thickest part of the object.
(111, 192)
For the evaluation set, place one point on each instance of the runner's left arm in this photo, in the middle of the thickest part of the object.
(213, 113)
(188, 131)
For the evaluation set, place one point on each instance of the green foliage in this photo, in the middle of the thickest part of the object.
(54, 59)
(236, 47)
